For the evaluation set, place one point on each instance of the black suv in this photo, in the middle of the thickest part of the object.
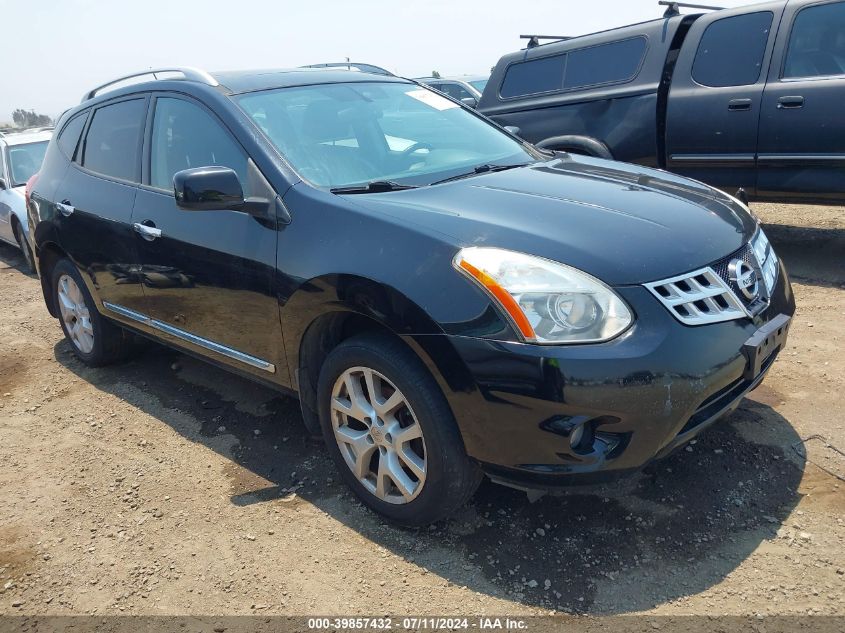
(445, 299)
(746, 98)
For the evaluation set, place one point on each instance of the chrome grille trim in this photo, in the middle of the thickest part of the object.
(698, 298)
(707, 295)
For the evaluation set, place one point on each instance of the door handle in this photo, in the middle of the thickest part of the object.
(64, 208)
(738, 105)
(146, 231)
(795, 101)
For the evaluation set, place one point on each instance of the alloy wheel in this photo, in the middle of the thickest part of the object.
(378, 435)
(75, 314)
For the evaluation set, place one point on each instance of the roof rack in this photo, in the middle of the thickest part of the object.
(673, 8)
(367, 68)
(534, 40)
(188, 74)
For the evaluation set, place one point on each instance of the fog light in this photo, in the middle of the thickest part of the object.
(576, 435)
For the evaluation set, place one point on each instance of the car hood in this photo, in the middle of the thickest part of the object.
(622, 223)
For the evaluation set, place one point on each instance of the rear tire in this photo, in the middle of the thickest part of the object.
(391, 432)
(95, 340)
(23, 244)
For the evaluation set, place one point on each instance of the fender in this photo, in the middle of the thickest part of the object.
(333, 307)
(577, 144)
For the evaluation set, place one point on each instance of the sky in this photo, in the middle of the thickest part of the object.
(55, 50)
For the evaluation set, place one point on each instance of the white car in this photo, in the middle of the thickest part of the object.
(21, 154)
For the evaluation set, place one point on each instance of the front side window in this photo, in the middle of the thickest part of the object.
(347, 134)
(185, 136)
(113, 142)
(817, 42)
(731, 50)
(25, 161)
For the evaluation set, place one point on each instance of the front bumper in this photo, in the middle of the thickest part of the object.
(642, 395)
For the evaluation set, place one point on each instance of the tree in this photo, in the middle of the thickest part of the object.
(28, 118)
(435, 74)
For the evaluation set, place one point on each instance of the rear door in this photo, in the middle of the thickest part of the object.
(95, 203)
(208, 276)
(802, 127)
(714, 100)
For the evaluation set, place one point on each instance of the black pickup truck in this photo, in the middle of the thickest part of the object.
(749, 99)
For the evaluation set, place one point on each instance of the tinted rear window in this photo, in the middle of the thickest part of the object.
(615, 62)
(537, 75)
(113, 141)
(69, 136)
(608, 63)
(731, 50)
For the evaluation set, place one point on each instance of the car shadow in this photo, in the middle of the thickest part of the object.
(812, 255)
(11, 257)
(674, 530)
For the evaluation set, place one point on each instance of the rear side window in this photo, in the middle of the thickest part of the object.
(534, 76)
(112, 145)
(186, 136)
(69, 136)
(817, 42)
(604, 64)
(731, 50)
(615, 62)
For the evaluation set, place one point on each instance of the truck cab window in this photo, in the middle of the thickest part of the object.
(731, 50)
(817, 42)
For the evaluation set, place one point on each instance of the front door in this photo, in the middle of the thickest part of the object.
(802, 130)
(714, 101)
(208, 275)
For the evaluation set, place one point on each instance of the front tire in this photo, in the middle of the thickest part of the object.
(94, 340)
(23, 244)
(391, 432)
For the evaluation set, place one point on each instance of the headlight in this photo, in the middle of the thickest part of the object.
(547, 302)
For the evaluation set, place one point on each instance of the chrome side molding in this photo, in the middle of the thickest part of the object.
(191, 338)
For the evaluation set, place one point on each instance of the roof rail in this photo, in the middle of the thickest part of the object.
(534, 40)
(188, 74)
(673, 8)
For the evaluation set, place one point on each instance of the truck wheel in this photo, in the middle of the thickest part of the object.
(391, 432)
(94, 340)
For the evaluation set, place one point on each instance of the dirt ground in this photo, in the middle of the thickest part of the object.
(166, 486)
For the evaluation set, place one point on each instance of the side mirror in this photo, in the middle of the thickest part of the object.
(472, 102)
(2, 184)
(512, 129)
(214, 189)
(208, 189)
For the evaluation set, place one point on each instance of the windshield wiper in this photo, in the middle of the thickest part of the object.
(480, 169)
(376, 186)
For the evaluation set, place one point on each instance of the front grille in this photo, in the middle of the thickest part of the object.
(722, 268)
(712, 294)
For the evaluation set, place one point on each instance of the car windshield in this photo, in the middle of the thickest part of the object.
(25, 160)
(478, 84)
(341, 135)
